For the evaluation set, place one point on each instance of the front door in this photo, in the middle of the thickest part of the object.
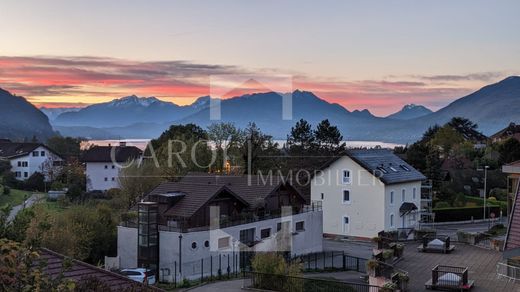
(346, 225)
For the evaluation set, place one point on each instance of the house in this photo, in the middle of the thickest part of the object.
(202, 223)
(512, 243)
(511, 131)
(28, 158)
(513, 182)
(366, 191)
(79, 272)
(104, 164)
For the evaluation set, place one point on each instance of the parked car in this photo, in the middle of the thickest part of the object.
(140, 275)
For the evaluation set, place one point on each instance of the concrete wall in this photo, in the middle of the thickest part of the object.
(38, 163)
(409, 220)
(366, 208)
(127, 246)
(194, 247)
(96, 174)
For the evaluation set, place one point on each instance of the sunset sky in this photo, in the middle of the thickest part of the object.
(378, 55)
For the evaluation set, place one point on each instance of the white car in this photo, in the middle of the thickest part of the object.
(140, 275)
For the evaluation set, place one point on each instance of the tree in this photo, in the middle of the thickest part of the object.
(259, 151)
(328, 137)
(136, 181)
(66, 147)
(509, 151)
(36, 182)
(301, 138)
(445, 138)
(226, 138)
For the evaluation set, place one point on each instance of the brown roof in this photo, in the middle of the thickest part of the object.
(199, 188)
(12, 150)
(80, 271)
(105, 153)
(513, 232)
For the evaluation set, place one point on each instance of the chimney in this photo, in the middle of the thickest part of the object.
(122, 143)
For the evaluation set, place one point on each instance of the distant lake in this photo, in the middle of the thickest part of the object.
(141, 143)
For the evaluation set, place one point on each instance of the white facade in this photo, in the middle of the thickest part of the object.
(102, 176)
(40, 160)
(199, 247)
(356, 203)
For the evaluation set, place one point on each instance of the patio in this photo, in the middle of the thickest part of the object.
(481, 263)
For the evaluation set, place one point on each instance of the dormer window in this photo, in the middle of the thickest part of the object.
(404, 167)
(382, 169)
(346, 176)
(393, 169)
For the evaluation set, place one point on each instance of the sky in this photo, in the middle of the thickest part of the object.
(378, 55)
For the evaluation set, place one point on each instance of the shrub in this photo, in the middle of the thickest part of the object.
(442, 205)
(388, 254)
(7, 190)
(492, 199)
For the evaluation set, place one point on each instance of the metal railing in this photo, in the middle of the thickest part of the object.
(512, 273)
(285, 283)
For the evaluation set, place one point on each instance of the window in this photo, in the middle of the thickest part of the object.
(247, 236)
(19, 164)
(113, 179)
(106, 166)
(300, 226)
(391, 220)
(106, 178)
(346, 196)
(223, 242)
(17, 174)
(35, 153)
(346, 176)
(284, 225)
(403, 195)
(382, 169)
(391, 197)
(42, 153)
(346, 226)
(25, 174)
(113, 166)
(322, 196)
(393, 169)
(404, 167)
(413, 193)
(206, 243)
(193, 245)
(264, 233)
(25, 163)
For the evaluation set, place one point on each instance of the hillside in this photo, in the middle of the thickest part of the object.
(21, 120)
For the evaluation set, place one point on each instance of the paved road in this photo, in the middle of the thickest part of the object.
(231, 286)
(29, 202)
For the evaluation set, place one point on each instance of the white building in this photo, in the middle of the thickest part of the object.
(206, 221)
(28, 158)
(104, 163)
(367, 191)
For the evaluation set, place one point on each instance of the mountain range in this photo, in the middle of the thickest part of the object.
(20, 120)
(410, 111)
(491, 107)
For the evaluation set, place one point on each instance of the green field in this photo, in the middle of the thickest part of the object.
(15, 197)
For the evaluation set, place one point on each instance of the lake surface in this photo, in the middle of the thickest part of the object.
(141, 143)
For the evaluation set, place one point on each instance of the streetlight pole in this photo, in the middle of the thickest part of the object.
(485, 189)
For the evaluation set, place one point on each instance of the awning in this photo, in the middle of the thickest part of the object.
(407, 207)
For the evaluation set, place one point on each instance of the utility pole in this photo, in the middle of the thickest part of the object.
(485, 189)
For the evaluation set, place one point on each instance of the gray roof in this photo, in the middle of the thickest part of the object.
(384, 164)
(11, 150)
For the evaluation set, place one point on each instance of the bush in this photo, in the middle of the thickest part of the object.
(7, 190)
(463, 213)
(442, 205)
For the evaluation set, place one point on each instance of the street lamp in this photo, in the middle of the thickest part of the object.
(485, 187)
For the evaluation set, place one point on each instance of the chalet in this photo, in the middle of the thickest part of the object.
(366, 191)
(28, 158)
(207, 215)
(104, 164)
(511, 131)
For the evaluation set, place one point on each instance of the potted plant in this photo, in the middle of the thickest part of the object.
(399, 250)
(388, 287)
(372, 265)
(388, 254)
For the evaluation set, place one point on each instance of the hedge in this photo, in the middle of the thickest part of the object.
(480, 202)
(464, 213)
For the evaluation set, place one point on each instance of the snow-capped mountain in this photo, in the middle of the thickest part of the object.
(53, 113)
(133, 100)
(410, 111)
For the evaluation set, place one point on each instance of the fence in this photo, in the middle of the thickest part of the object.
(449, 277)
(284, 283)
(509, 272)
(331, 260)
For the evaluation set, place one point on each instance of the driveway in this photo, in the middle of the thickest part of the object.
(28, 203)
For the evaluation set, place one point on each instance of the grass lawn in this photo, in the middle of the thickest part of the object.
(52, 206)
(15, 197)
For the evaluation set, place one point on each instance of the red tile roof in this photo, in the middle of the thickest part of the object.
(80, 271)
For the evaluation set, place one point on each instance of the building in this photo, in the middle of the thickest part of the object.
(513, 181)
(207, 223)
(511, 131)
(104, 163)
(79, 272)
(367, 191)
(28, 158)
(511, 253)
